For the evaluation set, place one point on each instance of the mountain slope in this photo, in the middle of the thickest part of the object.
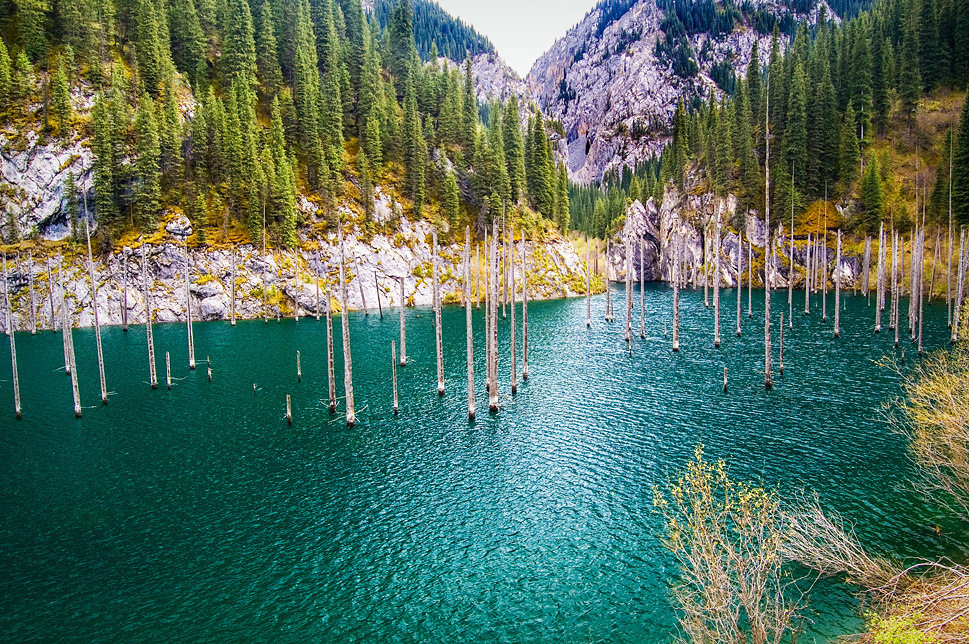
(614, 80)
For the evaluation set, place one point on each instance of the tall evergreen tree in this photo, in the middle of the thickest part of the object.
(31, 20)
(470, 106)
(795, 136)
(514, 149)
(148, 199)
(451, 200)
(754, 90)
(6, 77)
(403, 52)
(187, 40)
(872, 197)
(850, 154)
(909, 78)
(308, 98)
(563, 217)
(931, 62)
(960, 170)
(331, 122)
(239, 42)
(152, 54)
(62, 98)
(267, 53)
(103, 146)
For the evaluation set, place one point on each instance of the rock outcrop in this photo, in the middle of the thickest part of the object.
(375, 267)
(614, 98)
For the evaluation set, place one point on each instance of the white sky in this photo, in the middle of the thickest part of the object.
(521, 30)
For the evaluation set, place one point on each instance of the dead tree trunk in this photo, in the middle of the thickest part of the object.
(750, 278)
(296, 283)
(50, 293)
(493, 393)
(609, 317)
(780, 366)
(866, 278)
(676, 291)
(467, 314)
(767, 247)
(403, 326)
(345, 320)
(393, 369)
(437, 316)
(629, 294)
(232, 301)
(30, 288)
(188, 313)
(69, 349)
(511, 277)
(152, 375)
(960, 285)
(13, 343)
(837, 289)
(880, 280)
(94, 306)
(588, 286)
(168, 370)
(330, 369)
(716, 284)
(935, 261)
(524, 314)
(740, 278)
(642, 292)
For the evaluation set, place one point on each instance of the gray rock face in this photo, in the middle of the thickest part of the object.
(374, 270)
(693, 219)
(180, 228)
(611, 94)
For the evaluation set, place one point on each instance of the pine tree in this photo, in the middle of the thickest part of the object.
(267, 53)
(498, 167)
(366, 184)
(451, 200)
(514, 149)
(880, 101)
(960, 44)
(796, 136)
(308, 97)
(744, 145)
(201, 219)
(147, 165)
(931, 62)
(960, 170)
(6, 77)
(187, 40)
(62, 99)
(563, 216)
(403, 52)
(872, 197)
(331, 122)
(470, 106)
(849, 154)
(31, 19)
(239, 44)
(754, 85)
(823, 135)
(103, 146)
(910, 79)
(150, 52)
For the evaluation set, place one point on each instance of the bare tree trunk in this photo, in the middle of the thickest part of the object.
(71, 358)
(13, 342)
(299, 368)
(837, 289)
(317, 297)
(740, 278)
(629, 294)
(808, 277)
(588, 285)
(232, 277)
(94, 306)
(469, 329)
(880, 286)
(403, 325)
(921, 282)
(790, 271)
(716, 284)
(896, 302)
(676, 291)
(780, 367)
(505, 263)
(525, 313)
(188, 313)
(437, 315)
(393, 368)
(363, 298)
(960, 285)
(30, 288)
(289, 409)
(866, 278)
(750, 278)
(935, 261)
(477, 276)
(152, 376)
(609, 317)
(50, 293)
(330, 369)
(511, 277)
(345, 323)
(642, 292)
(380, 308)
(296, 283)
(767, 249)
(168, 370)
(706, 267)
(496, 287)
(824, 271)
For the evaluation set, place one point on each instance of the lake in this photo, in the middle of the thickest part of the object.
(199, 515)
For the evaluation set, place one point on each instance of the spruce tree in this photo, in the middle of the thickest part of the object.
(564, 216)
(470, 106)
(187, 40)
(31, 19)
(872, 197)
(850, 154)
(931, 62)
(331, 123)
(308, 98)
(881, 81)
(62, 99)
(6, 77)
(150, 52)
(960, 170)
(201, 219)
(403, 52)
(147, 165)
(910, 79)
(514, 149)
(239, 42)
(754, 85)
(103, 146)
(796, 136)
(267, 53)
(366, 184)
(451, 199)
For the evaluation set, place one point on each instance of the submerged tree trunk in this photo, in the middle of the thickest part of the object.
(716, 284)
(588, 285)
(524, 313)
(642, 292)
(470, 332)
(609, 317)
(740, 278)
(232, 277)
(188, 313)
(403, 326)
(50, 294)
(511, 277)
(153, 378)
(393, 369)
(437, 315)
(629, 295)
(495, 293)
(13, 343)
(69, 350)
(837, 289)
(330, 368)
(880, 286)
(676, 291)
(345, 323)
(94, 307)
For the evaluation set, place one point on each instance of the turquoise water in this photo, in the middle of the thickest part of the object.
(199, 515)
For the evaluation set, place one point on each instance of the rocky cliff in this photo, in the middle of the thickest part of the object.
(691, 219)
(375, 267)
(615, 98)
